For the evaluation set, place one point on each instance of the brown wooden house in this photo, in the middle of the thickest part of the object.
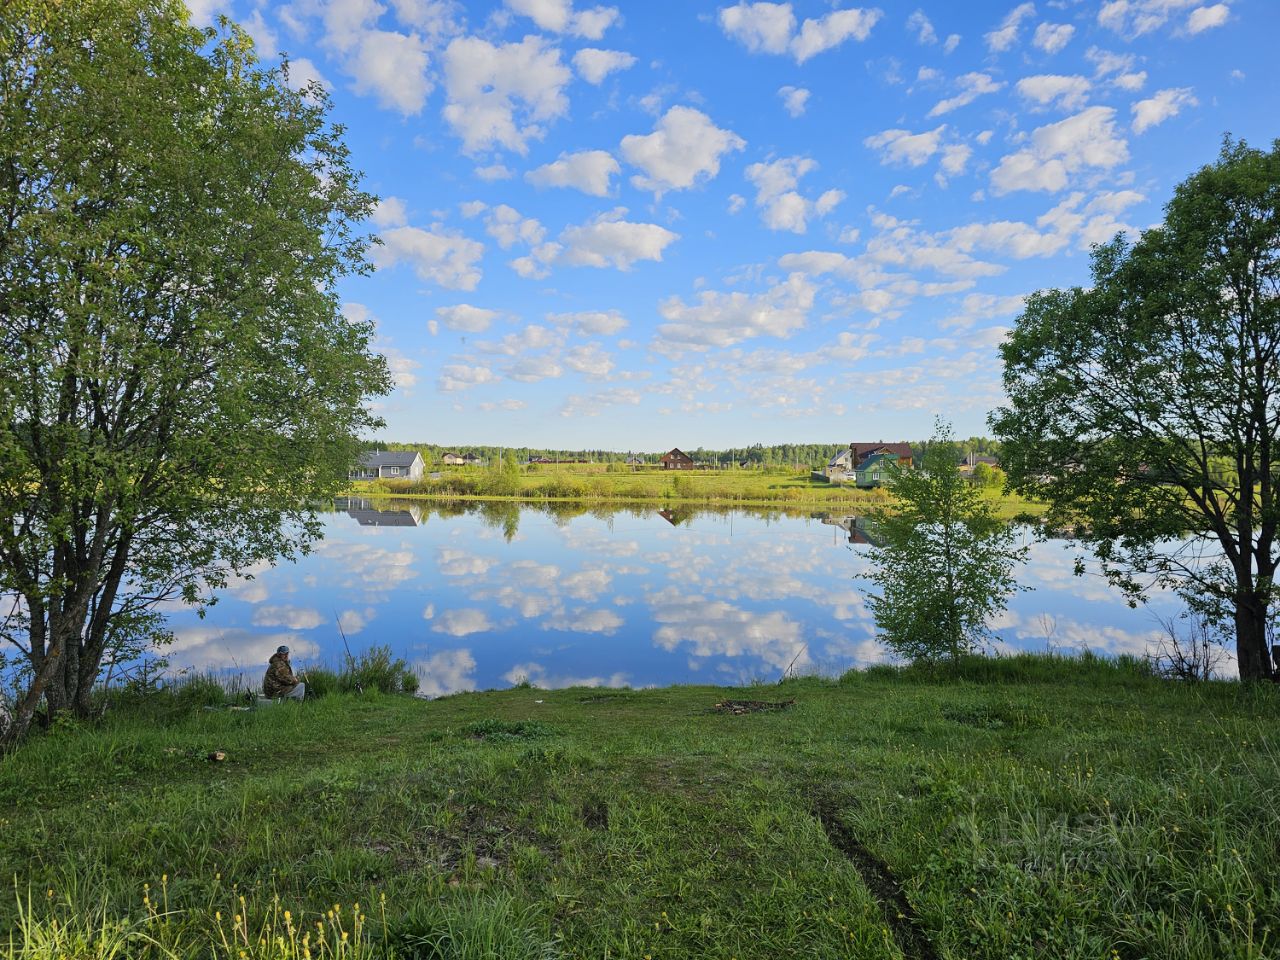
(677, 459)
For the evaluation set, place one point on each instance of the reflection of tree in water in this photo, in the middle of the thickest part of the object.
(562, 511)
(502, 515)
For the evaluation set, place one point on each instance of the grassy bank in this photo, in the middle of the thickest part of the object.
(595, 482)
(1036, 808)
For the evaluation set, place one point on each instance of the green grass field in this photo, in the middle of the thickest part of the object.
(1031, 808)
(590, 482)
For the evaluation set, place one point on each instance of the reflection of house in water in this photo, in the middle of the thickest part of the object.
(858, 529)
(677, 515)
(365, 513)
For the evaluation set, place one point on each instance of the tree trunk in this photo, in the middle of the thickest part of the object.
(51, 663)
(1251, 638)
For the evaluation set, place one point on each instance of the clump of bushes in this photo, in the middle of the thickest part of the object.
(374, 669)
(377, 669)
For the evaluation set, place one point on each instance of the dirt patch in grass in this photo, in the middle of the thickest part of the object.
(738, 708)
(595, 814)
(507, 731)
(899, 916)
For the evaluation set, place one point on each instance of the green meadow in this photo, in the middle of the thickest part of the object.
(1008, 808)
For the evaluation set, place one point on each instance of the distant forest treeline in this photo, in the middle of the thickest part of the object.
(811, 455)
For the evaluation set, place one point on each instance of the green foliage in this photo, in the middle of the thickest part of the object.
(985, 475)
(1144, 408)
(503, 479)
(472, 927)
(378, 669)
(177, 380)
(321, 682)
(944, 563)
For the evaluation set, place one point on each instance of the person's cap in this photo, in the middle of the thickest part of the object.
(282, 649)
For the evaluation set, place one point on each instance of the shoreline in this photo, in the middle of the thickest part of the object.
(1008, 507)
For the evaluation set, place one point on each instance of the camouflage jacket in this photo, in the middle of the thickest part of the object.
(279, 681)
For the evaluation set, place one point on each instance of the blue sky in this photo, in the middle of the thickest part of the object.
(652, 224)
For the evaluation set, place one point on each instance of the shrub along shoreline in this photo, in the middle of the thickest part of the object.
(1009, 807)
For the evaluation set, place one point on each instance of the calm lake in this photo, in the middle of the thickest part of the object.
(481, 596)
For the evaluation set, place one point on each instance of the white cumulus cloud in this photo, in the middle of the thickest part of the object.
(1161, 107)
(502, 96)
(718, 319)
(903, 146)
(587, 170)
(437, 255)
(781, 205)
(919, 24)
(466, 318)
(1064, 92)
(685, 148)
(772, 28)
(972, 86)
(393, 68)
(594, 65)
(460, 376)
(794, 99)
(558, 16)
(1133, 18)
(1088, 139)
(591, 323)
(1052, 37)
(1206, 18)
(607, 240)
(1006, 35)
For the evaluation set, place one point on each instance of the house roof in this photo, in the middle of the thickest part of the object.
(388, 458)
(863, 450)
(834, 461)
(676, 454)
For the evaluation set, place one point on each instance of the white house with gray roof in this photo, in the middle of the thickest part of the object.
(388, 465)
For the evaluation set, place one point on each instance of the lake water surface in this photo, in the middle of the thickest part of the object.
(485, 596)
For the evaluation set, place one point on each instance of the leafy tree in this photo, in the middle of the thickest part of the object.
(1147, 407)
(177, 381)
(944, 563)
(985, 475)
(504, 476)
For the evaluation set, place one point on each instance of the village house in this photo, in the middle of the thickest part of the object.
(451, 459)
(875, 469)
(677, 459)
(846, 465)
(388, 465)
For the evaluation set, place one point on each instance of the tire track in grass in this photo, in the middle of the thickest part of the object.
(898, 915)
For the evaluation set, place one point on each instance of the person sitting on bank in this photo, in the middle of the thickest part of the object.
(280, 683)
